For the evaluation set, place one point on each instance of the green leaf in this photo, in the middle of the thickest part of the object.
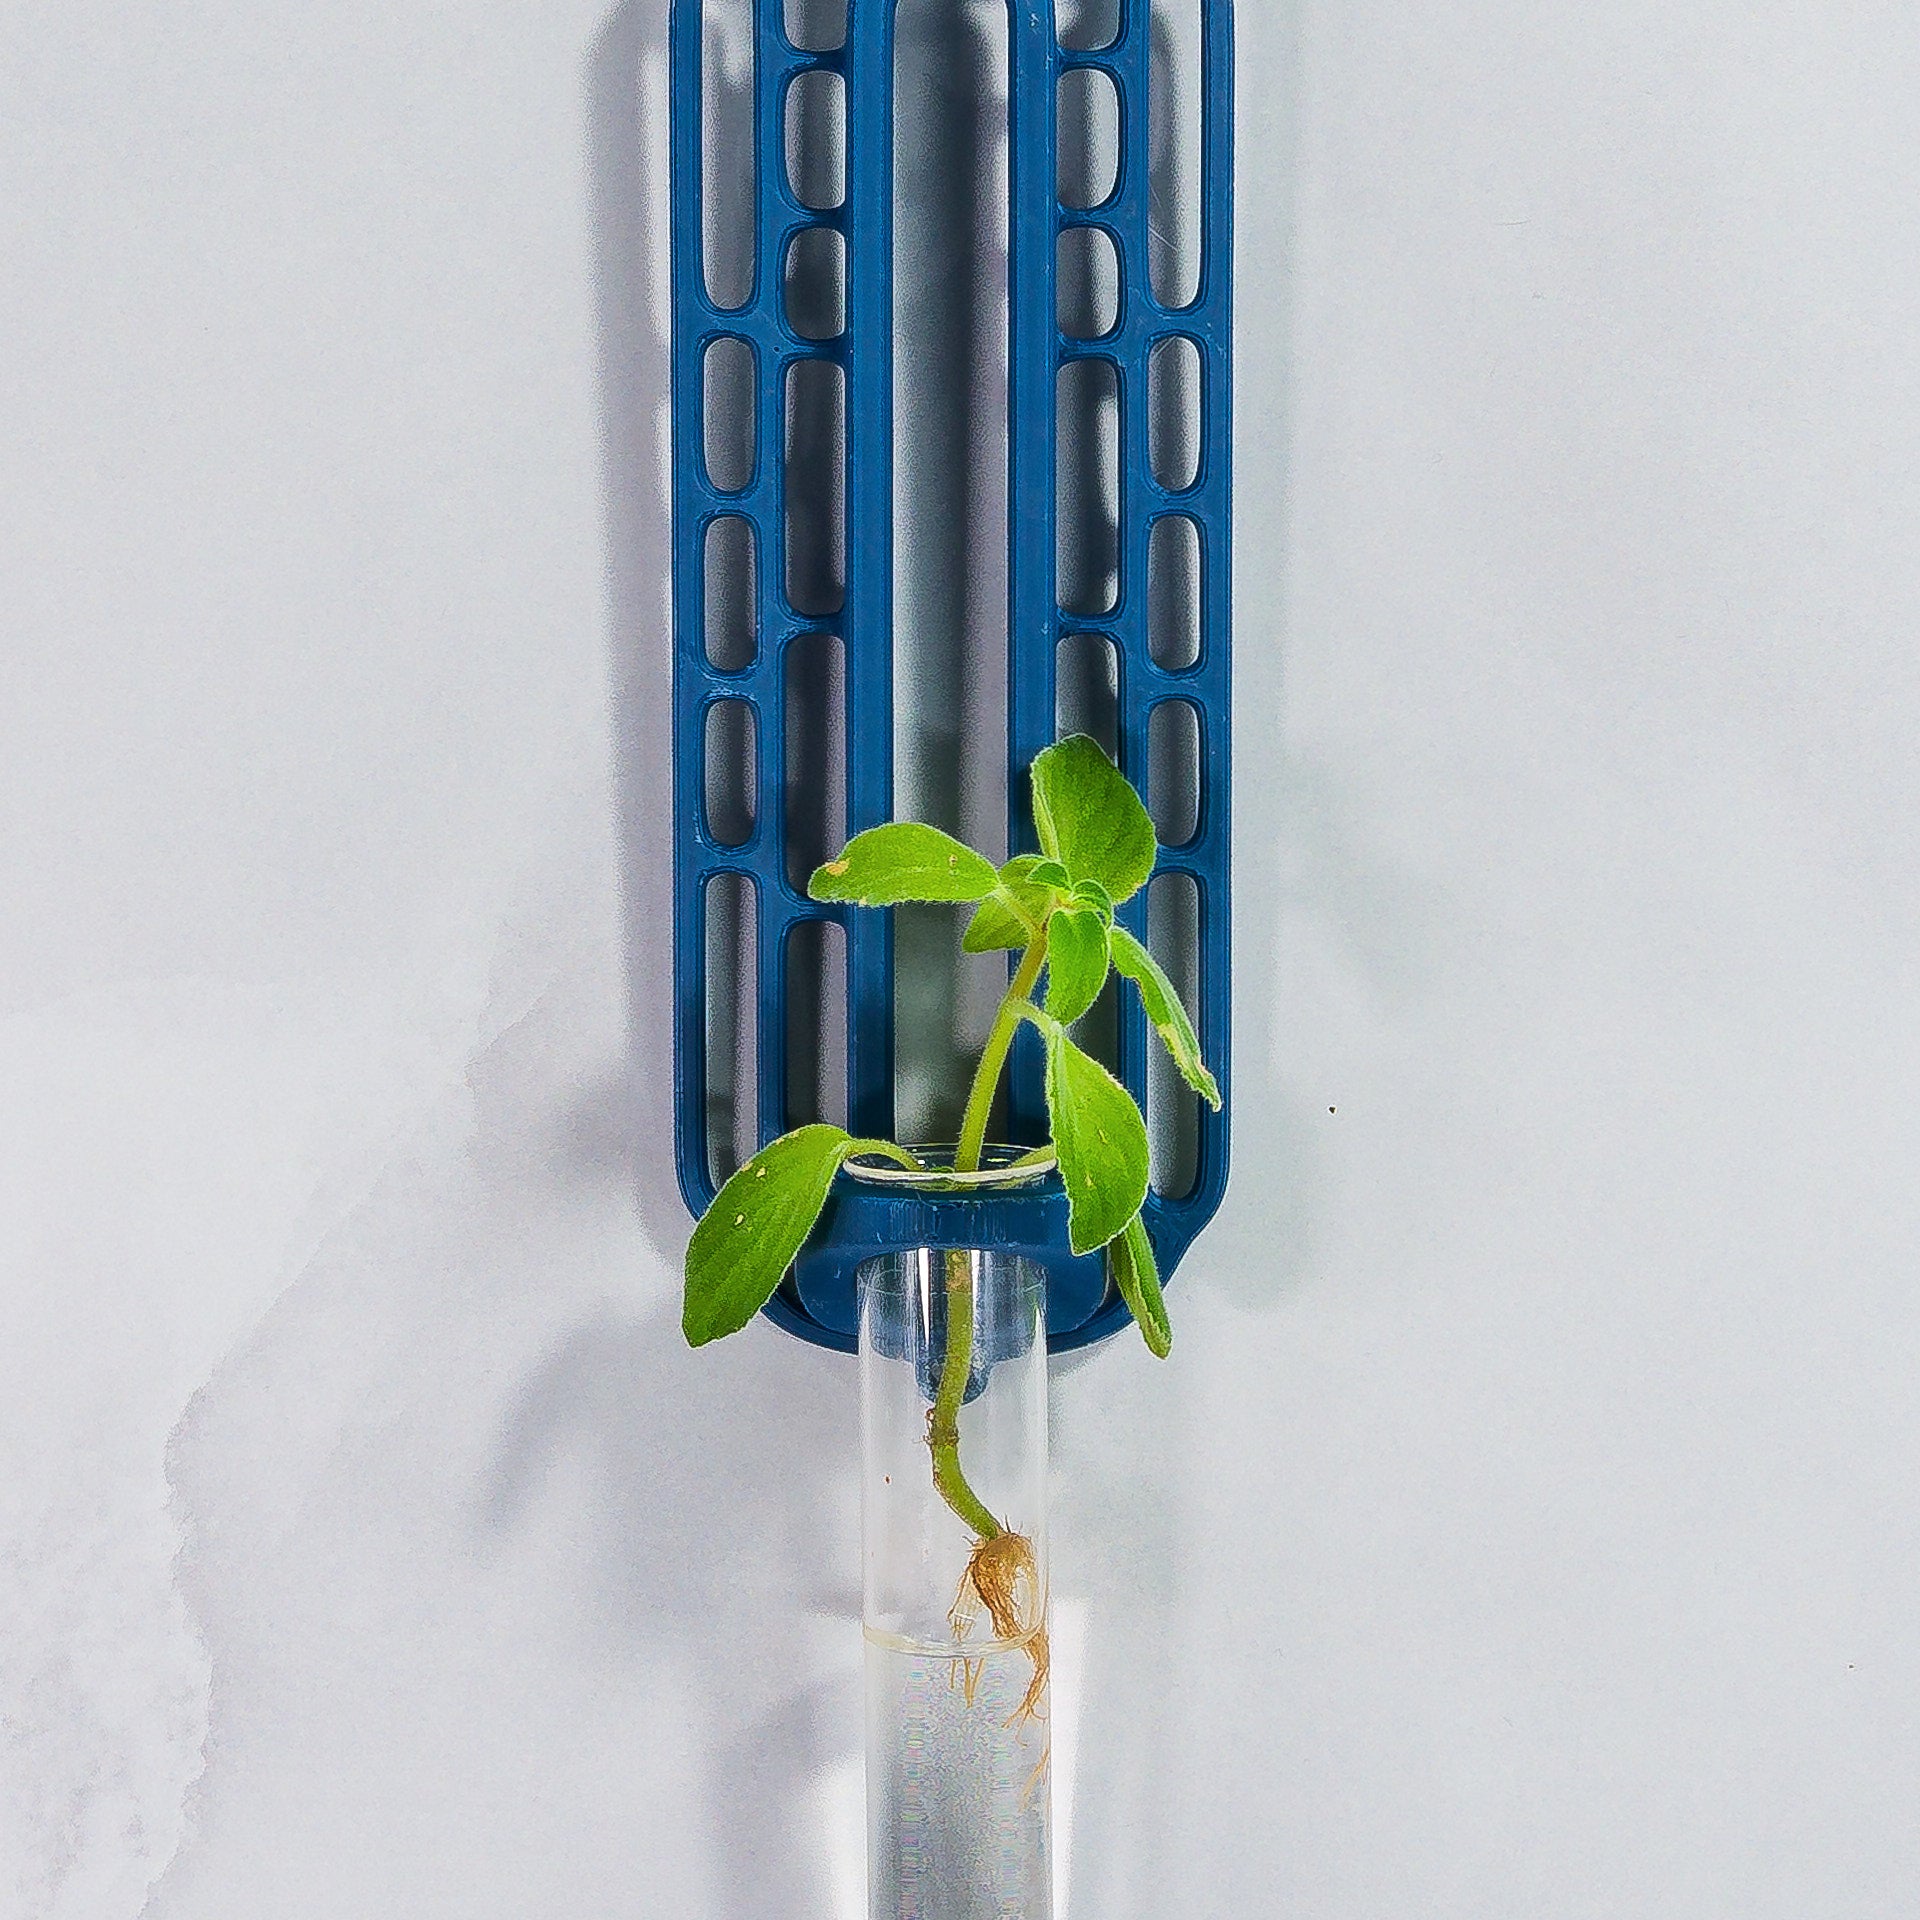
(1089, 819)
(997, 921)
(1090, 893)
(1100, 1138)
(1163, 1007)
(1130, 1259)
(888, 865)
(1049, 873)
(758, 1221)
(995, 925)
(1076, 962)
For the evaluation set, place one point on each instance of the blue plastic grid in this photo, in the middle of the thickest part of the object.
(1079, 1309)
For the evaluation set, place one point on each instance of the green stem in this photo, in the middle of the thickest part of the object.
(943, 1424)
(993, 1056)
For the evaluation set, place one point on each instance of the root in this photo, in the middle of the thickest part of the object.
(965, 1674)
(1003, 1576)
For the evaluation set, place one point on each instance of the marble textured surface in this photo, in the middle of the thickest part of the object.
(1526, 1523)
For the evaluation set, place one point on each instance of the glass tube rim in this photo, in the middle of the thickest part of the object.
(998, 1173)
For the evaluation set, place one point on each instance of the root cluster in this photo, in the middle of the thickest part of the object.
(1003, 1577)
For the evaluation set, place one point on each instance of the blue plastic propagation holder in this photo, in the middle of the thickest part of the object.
(817, 1299)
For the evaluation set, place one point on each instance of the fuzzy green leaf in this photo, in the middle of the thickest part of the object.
(886, 866)
(1163, 1007)
(1076, 962)
(997, 921)
(1135, 1273)
(994, 926)
(1050, 873)
(1089, 819)
(1100, 1138)
(758, 1221)
(1090, 893)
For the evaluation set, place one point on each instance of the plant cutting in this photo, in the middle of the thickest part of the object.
(1054, 911)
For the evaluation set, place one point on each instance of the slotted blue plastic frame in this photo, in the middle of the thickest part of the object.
(817, 1300)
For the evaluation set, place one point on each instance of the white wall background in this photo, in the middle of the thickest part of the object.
(1526, 1523)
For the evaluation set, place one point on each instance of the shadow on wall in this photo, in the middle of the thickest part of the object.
(626, 132)
(712, 1476)
(712, 1480)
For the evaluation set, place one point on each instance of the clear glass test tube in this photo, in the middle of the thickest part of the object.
(958, 1750)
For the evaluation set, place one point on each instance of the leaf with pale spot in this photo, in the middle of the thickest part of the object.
(758, 1222)
(1135, 1273)
(888, 866)
(1163, 1007)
